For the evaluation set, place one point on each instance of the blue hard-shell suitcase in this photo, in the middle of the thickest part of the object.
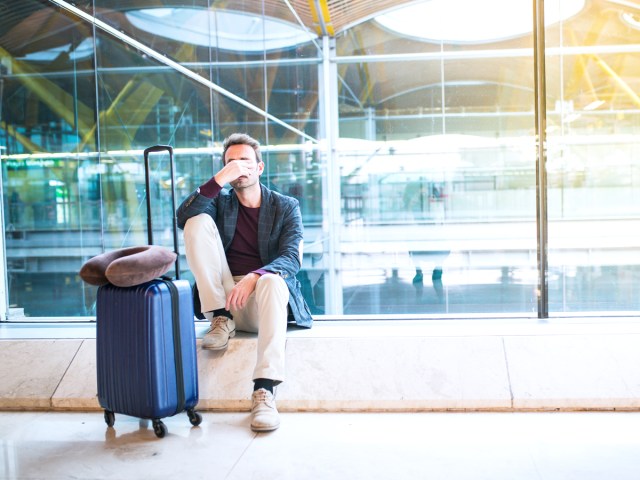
(145, 343)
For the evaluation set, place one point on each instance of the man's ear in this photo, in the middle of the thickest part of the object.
(260, 168)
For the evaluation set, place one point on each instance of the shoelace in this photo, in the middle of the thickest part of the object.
(262, 396)
(220, 322)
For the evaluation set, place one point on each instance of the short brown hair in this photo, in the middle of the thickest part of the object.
(241, 139)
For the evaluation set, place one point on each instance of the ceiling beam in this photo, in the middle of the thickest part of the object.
(322, 18)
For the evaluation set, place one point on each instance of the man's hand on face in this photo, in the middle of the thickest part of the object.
(234, 170)
(239, 295)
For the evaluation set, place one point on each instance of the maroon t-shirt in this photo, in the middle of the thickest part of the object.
(242, 256)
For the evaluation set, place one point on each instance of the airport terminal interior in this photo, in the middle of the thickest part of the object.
(468, 175)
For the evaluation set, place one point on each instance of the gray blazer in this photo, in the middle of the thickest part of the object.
(279, 236)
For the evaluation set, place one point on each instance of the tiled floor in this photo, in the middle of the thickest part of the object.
(448, 446)
(496, 365)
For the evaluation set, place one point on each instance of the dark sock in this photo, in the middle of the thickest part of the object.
(265, 383)
(222, 312)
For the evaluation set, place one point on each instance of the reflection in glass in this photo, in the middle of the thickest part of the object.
(430, 150)
(87, 194)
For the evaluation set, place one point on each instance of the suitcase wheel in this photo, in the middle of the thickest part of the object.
(109, 418)
(194, 417)
(159, 428)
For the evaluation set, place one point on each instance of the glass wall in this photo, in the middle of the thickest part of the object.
(594, 164)
(438, 179)
(81, 103)
(411, 147)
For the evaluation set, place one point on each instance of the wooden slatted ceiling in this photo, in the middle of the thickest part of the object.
(337, 14)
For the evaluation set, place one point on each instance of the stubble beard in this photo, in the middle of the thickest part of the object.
(243, 184)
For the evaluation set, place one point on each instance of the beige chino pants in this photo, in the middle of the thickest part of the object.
(266, 308)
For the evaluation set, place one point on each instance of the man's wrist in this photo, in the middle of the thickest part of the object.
(210, 189)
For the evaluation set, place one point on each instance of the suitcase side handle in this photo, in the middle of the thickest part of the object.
(147, 181)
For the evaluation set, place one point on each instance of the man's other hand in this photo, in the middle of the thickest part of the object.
(239, 295)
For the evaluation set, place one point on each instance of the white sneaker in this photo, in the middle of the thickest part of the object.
(217, 337)
(264, 415)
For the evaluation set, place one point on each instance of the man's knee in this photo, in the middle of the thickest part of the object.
(272, 284)
(196, 226)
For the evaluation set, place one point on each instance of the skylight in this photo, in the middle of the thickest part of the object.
(80, 52)
(227, 30)
(473, 21)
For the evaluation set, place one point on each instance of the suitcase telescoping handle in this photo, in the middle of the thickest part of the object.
(174, 221)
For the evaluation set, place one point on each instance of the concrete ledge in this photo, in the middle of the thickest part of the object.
(403, 366)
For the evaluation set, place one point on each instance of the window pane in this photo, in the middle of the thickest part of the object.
(593, 162)
(86, 194)
(47, 98)
(437, 165)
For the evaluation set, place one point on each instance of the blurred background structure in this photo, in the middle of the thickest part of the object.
(409, 131)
